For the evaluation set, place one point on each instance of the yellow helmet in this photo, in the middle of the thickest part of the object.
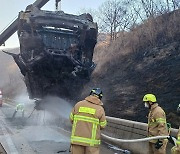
(149, 97)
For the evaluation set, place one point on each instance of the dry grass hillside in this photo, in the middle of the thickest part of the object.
(144, 60)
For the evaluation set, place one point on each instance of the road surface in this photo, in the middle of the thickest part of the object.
(43, 132)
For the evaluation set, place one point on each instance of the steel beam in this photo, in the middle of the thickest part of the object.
(7, 33)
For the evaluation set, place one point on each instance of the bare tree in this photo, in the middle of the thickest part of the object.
(152, 8)
(114, 16)
(149, 7)
(176, 4)
(111, 15)
(168, 7)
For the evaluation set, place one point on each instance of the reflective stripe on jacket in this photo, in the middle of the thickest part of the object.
(20, 107)
(87, 117)
(176, 149)
(157, 125)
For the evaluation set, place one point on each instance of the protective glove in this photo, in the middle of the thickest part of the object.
(171, 140)
(158, 144)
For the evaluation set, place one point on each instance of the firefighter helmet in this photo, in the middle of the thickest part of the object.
(149, 97)
(97, 92)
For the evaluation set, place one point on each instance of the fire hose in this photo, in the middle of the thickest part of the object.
(170, 138)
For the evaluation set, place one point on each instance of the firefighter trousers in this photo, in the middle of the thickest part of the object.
(79, 149)
(162, 150)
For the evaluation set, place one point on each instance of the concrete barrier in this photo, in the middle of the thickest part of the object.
(126, 129)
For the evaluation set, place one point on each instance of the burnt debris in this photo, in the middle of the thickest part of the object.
(56, 51)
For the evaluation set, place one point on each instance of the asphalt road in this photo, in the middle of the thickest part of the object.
(43, 132)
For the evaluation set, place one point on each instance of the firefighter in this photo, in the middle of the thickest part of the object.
(87, 118)
(176, 148)
(19, 107)
(157, 125)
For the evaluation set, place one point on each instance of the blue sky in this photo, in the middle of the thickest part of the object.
(9, 10)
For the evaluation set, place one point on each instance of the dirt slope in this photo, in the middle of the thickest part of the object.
(136, 64)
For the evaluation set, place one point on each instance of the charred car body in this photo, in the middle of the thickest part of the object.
(56, 51)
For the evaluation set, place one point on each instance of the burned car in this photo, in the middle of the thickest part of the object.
(56, 51)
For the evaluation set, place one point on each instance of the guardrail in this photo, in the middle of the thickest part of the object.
(126, 129)
(2, 150)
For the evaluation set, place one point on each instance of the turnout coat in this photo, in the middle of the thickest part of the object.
(88, 118)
